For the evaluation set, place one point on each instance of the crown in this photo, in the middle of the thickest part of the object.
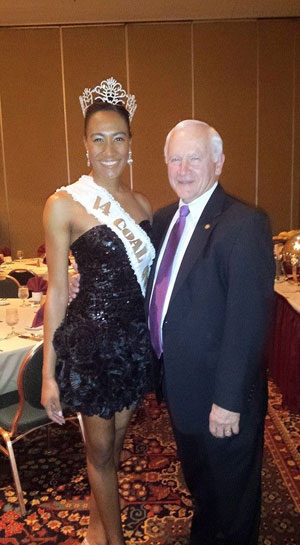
(111, 91)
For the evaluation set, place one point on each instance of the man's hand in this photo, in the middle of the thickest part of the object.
(74, 284)
(223, 423)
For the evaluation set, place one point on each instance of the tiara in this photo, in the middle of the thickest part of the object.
(111, 91)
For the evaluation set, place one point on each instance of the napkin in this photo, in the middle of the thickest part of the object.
(41, 250)
(5, 251)
(39, 317)
(36, 283)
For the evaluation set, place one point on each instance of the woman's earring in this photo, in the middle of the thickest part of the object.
(87, 158)
(130, 160)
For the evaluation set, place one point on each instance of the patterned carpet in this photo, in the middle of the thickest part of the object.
(156, 507)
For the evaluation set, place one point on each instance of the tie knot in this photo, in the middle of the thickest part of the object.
(184, 210)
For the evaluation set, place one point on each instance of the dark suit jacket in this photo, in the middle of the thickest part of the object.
(217, 320)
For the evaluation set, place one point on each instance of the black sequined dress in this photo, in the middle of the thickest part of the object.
(102, 345)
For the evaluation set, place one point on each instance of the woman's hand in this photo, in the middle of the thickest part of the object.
(50, 400)
(74, 286)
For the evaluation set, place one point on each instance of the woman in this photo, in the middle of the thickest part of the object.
(96, 353)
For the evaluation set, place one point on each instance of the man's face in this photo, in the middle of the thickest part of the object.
(191, 169)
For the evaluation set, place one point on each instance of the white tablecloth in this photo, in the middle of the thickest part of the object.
(35, 265)
(13, 350)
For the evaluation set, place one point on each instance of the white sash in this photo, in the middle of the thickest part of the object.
(101, 204)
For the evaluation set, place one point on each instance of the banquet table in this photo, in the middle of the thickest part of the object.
(13, 349)
(34, 265)
(284, 352)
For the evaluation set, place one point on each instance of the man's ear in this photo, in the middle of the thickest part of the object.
(219, 164)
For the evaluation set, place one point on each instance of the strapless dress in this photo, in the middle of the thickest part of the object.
(102, 345)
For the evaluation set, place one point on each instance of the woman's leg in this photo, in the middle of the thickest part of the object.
(100, 439)
(104, 444)
(122, 420)
(96, 534)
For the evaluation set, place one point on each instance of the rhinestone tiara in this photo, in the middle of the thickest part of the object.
(111, 91)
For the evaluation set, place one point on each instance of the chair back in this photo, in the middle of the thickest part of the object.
(9, 286)
(5, 251)
(41, 250)
(21, 275)
(29, 383)
(30, 376)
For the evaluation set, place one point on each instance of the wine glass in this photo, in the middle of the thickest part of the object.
(23, 293)
(20, 254)
(11, 318)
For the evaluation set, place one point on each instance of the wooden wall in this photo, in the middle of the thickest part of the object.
(243, 77)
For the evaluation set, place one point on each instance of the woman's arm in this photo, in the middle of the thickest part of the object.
(57, 228)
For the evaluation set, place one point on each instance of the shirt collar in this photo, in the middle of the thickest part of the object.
(197, 205)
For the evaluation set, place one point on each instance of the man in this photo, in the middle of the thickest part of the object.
(209, 297)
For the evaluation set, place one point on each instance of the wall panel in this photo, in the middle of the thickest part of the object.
(160, 77)
(4, 220)
(225, 97)
(33, 128)
(276, 83)
(296, 114)
(90, 54)
(246, 83)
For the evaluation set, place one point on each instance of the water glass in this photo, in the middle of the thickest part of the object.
(20, 254)
(11, 318)
(23, 293)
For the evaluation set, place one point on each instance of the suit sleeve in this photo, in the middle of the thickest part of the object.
(249, 304)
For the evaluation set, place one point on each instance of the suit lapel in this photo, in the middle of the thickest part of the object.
(203, 230)
(199, 239)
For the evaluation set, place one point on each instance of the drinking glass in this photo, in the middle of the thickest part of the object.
(23, 293)
(11, 318)
(20, 254)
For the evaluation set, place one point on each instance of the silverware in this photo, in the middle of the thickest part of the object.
(32, 337)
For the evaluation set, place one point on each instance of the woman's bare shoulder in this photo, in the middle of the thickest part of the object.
(59, 206)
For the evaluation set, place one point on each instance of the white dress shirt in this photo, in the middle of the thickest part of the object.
(196, 208)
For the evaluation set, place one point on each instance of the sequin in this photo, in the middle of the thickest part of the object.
(102, 345)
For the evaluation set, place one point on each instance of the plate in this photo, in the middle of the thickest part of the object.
(38, 328)
(3, 303)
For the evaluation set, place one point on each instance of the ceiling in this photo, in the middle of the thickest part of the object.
(53, 12)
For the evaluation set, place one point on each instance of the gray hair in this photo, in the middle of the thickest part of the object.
(216, 142)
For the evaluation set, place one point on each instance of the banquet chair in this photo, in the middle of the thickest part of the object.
(22, 275)
(41, 251)
(20, 419)
(5, 251)
(9, 286)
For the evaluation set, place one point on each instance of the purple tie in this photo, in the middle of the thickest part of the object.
(162, 280)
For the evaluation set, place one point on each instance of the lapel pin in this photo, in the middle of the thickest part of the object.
(207, 226)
